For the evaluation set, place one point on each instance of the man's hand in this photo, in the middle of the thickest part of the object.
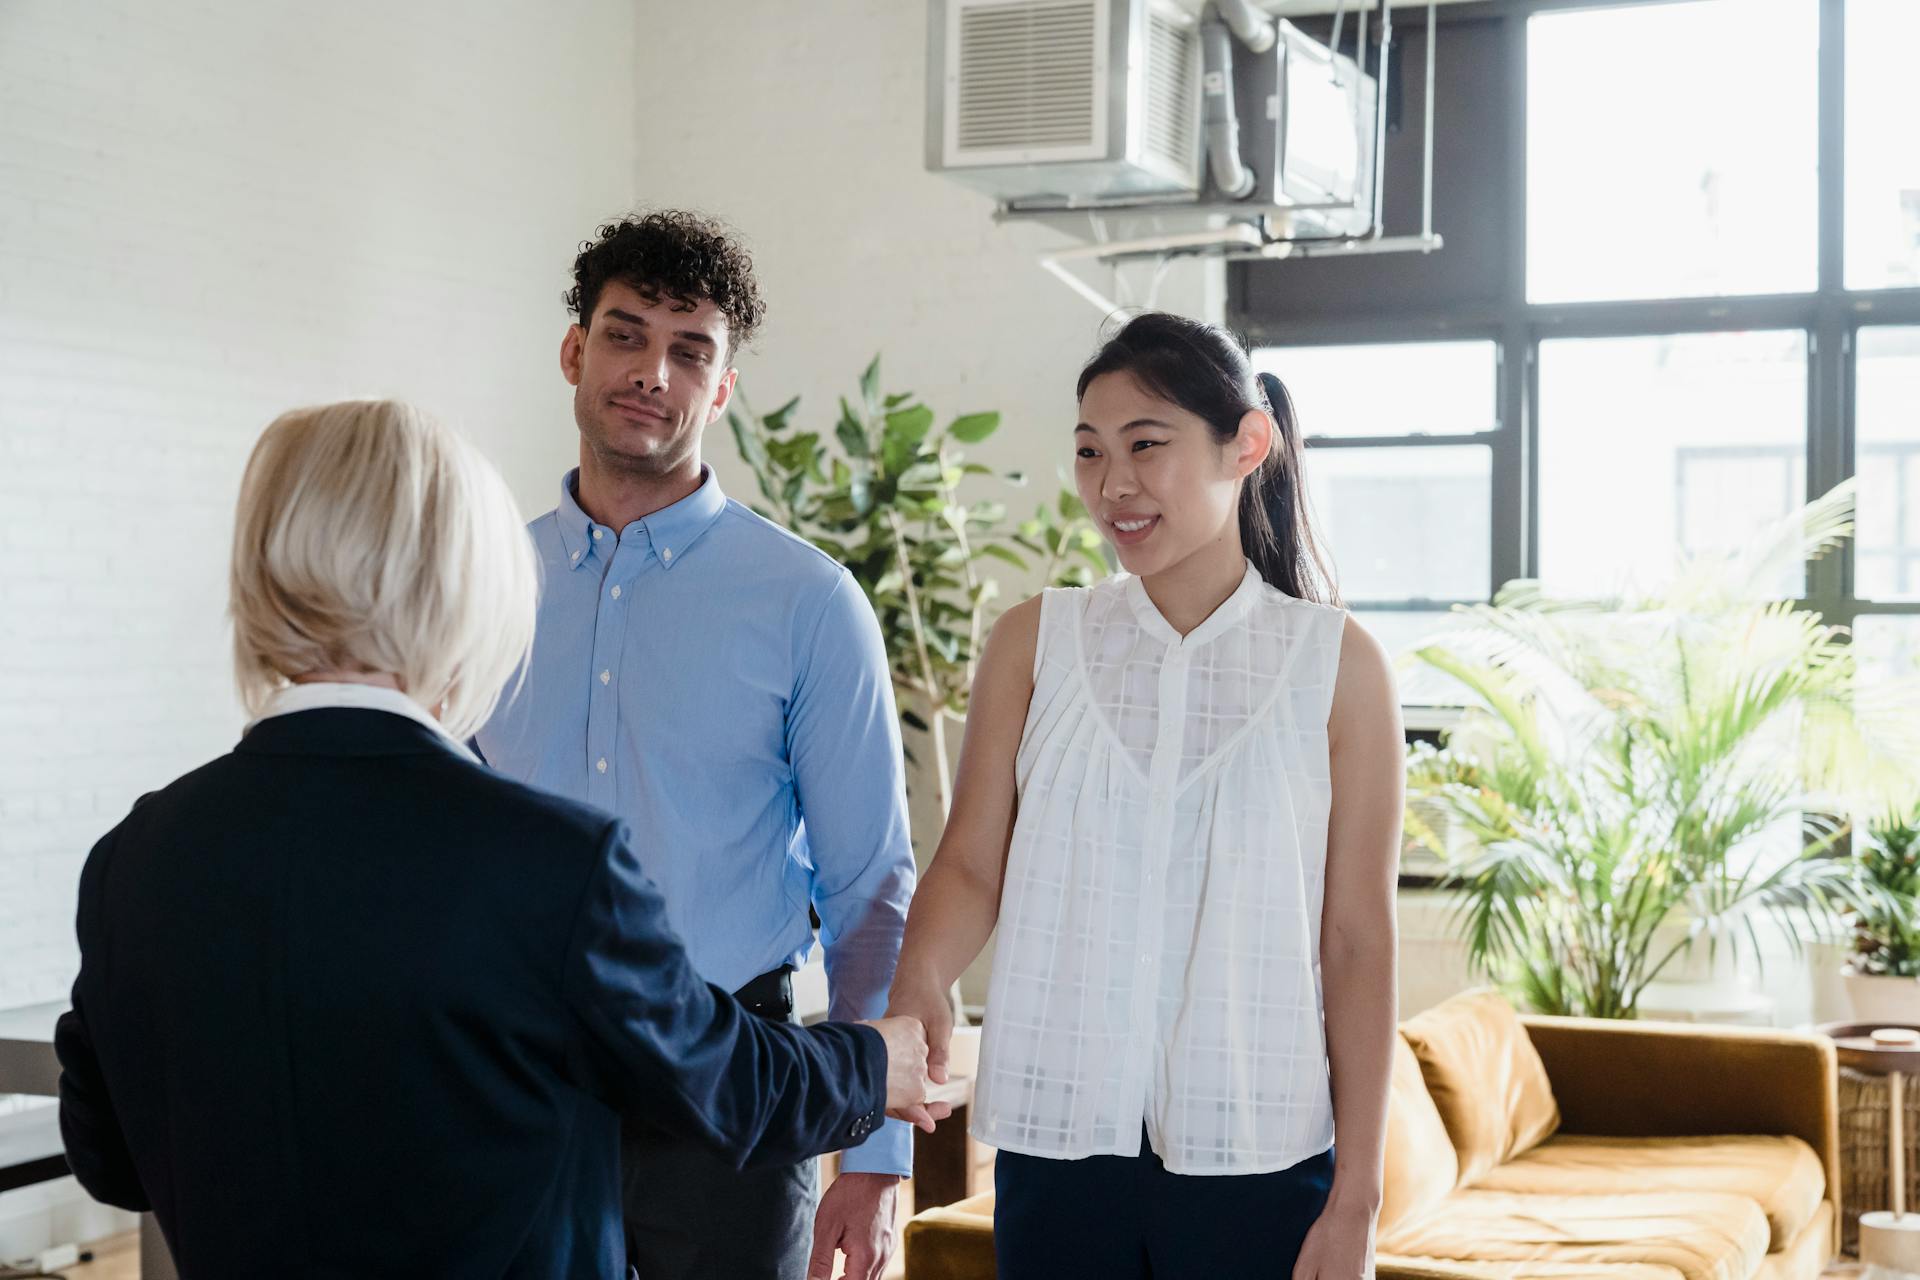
(857, 1218)
(907, 1073)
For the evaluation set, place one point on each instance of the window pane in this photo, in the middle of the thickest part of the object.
(1887, 460)
(1388, 389)
(1883, 161)
(1671, 150)
(1405, 524)
(1649, 446)
(1887, 646)
(1401, 632)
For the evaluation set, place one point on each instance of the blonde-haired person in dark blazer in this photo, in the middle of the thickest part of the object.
(350, 1003)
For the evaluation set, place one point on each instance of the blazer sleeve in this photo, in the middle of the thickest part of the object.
(658, 1043)
(89, 1126)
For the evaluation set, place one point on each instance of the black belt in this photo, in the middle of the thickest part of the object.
(770, 995)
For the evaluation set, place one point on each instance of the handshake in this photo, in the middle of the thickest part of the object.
(910, 1087)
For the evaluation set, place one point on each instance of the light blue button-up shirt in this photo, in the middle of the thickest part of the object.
(722, 686)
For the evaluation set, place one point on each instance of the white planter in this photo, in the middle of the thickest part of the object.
(1882, 1000)
(1703, 984)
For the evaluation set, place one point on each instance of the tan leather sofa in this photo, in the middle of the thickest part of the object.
(1561, 1147)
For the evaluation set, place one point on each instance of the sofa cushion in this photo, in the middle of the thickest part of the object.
(1421, 1168)
(1389, 1266)
(1782, 1175)
(1486, 1079)
(1805, 1257)
(1701, 1234)
(953, 1242)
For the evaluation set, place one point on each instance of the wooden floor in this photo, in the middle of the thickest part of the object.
(118, 1257)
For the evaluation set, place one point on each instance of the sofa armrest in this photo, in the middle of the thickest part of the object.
(953, 1242)
(1655, 1079)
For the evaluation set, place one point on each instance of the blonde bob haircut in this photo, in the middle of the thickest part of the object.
(371, 538)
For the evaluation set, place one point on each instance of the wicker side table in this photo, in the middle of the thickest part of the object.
(1888, 1060)
(1863, 1149)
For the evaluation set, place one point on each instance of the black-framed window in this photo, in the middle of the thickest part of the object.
(1683, 250)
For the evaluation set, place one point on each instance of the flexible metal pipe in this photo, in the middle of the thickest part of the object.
(1222, 124)
(1254, 27)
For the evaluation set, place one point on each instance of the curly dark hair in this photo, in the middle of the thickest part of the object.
(674, 254)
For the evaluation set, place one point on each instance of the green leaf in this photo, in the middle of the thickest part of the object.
(752, 450)
(898, 456)
(777, 420)
(999, 552)
(795, 454)
(851, 433)
(974, 427)
(922, 475)
(987, 512)
(911, 423)
(842, 474)
(870, 387)
(1071, 508)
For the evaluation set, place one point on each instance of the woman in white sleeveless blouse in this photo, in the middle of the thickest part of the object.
(1179, 799)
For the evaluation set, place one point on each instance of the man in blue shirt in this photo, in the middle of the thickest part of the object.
(722, 685)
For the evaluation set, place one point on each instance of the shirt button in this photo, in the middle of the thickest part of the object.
(596, 535)
(616, 593)
(605, 676)
(667, 554)
(576, 555)
(601, 765)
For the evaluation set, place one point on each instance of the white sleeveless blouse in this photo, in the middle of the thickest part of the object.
(1159, 938)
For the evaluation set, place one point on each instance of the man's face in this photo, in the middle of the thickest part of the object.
(648, 375)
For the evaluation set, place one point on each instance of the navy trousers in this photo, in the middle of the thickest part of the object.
(1127, 1218)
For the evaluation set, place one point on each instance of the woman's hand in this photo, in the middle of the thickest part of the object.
(934, 1011)
(1339, 1245)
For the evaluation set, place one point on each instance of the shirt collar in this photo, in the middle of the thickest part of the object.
(1230, 611)
(360, 697)
(669, 532)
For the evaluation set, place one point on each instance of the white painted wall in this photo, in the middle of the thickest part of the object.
(209, 213)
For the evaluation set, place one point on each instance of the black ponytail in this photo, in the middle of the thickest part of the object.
(1205, 371)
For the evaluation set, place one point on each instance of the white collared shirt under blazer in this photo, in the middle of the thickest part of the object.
(1158, 960)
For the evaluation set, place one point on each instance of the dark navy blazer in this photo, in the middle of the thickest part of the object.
(350, 1004)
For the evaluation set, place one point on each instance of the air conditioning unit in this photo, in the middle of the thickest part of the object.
(1065, 101)
(1059, 106)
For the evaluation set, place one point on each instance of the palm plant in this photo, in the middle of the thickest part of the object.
(1622, 760)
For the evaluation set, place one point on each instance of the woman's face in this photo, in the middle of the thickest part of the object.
(1159, 486)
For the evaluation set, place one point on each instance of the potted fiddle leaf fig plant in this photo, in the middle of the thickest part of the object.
(890, 493)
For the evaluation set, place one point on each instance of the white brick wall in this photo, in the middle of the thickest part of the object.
(210, 212)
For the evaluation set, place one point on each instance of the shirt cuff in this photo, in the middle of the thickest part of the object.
(890, 1150)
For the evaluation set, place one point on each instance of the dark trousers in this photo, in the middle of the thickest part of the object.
(1127, 1218)
(692, 1216)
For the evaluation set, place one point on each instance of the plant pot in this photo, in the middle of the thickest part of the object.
(1704, 984)
(1880, 999)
